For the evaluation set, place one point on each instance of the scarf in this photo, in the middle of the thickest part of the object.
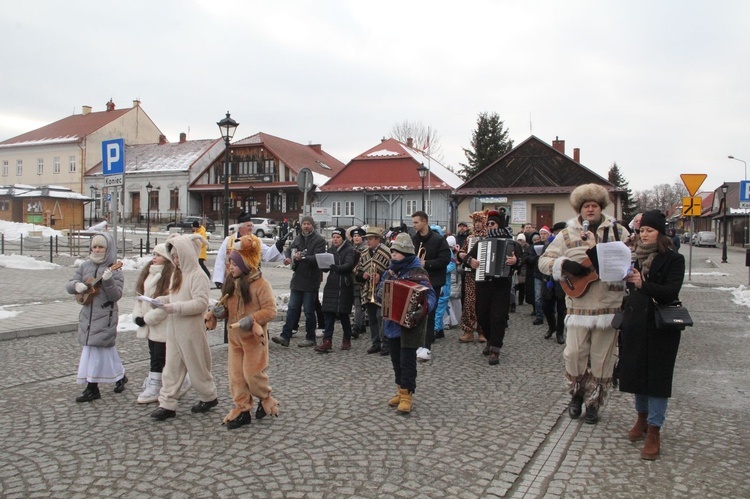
(398, 266)
(503, 232)
(645, 254)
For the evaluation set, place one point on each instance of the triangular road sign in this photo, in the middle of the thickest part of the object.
(693, 181)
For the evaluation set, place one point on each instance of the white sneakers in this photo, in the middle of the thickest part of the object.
(424, 354)
(152, 386)
(319, 333)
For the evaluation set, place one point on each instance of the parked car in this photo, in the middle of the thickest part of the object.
(687, 237)
(186, 224)
(262, 227)
(704, 238)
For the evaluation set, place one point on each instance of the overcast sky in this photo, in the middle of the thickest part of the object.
(660, 87)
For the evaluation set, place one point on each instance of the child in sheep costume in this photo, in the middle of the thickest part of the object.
(248, 304)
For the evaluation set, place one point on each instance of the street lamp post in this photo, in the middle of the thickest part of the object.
(91, 206)
(746, 231)
(149, 188)
(422, 174)
(227, 126)
(724, 187)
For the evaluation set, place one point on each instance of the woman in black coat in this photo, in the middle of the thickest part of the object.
(338, 294)
(647, 355)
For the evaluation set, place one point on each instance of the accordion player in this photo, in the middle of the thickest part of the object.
(492, 254)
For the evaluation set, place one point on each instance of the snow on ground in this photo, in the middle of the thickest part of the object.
(7, 314)
(25, 263)
(13, 230)
(741, 296)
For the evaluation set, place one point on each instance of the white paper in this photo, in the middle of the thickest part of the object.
(538, 248)
(152, 301)
(325, 260)
(614, 261)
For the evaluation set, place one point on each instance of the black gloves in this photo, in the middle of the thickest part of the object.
(280, 244)
(574, 268)
(139, 321)
(334, 268)
(417, 314)
(218, 285)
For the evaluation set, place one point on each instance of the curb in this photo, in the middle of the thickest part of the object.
(39, 331)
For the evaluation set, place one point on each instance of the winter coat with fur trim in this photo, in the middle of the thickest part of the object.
(154, 317)
(598, 305)
(97, 322)
(191, 300)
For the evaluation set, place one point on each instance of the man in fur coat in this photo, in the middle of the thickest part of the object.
(591, 337)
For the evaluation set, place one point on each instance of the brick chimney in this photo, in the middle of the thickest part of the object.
(136, 103)
(183, 138)
(410, 143)
(162, 139)
(316, 147)
(85, 109)
(558, 145)
(577, 154)
(110, 105)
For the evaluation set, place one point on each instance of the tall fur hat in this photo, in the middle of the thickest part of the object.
(248, 248)
(479, 216)
(589, 192)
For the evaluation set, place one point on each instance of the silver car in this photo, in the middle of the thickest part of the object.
(704, 238)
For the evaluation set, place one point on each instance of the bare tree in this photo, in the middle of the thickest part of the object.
(661, 197)
(416, 131)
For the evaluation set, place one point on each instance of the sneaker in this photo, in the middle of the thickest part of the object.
(319, 333)
(204, 406)
(424, 354)
(151, 393)
(306, 343)
(186, 385)
(280, 340)
(294, 331)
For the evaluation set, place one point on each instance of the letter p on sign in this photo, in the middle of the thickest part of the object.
(113, 157)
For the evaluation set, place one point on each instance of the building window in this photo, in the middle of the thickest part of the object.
(428, 207)
(72, 160)
(411, 207)
(153, 200)
(349, 209)
(4, 205)
(174, 199)
(40, 166)
(216, 203)
(336, 209)
(270, 166)
(56, 164)
(5, 168)
(19, 167)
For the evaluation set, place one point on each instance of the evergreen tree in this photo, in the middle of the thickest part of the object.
(628, 200)
(488, 142)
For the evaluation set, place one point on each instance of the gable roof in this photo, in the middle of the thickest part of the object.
(67, 130)
(180, 156)
(391, 165)
(296, 156)
(533, 167)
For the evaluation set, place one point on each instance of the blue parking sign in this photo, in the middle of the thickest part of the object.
(113, 157)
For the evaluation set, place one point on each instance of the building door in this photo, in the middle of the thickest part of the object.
(545, 215)
(135, 203)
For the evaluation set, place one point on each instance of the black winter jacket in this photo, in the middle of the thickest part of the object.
(338, 294)
(306, 275)
(437, 258)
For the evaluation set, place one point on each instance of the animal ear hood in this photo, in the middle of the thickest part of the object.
(249, 248)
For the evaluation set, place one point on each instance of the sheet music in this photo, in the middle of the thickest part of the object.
(325, 260)
(538, 248)
(614, 261)
(152, 301)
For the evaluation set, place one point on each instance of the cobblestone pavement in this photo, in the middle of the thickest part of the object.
(476, 430)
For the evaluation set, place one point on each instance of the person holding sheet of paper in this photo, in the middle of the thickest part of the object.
(590, 335)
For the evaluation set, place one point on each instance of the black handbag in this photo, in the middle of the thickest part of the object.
(672, 316)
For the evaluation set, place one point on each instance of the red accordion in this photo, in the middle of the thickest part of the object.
(401, 298)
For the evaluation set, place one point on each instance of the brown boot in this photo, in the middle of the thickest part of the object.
(638, 431)
(481, 338)
(404, 405)
(651, 449)
(467, 337)
(397, 399)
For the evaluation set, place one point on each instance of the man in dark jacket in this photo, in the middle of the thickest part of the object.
(338, 295)
(305, 282)
(435, 254)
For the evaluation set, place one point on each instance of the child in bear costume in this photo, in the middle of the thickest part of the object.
(249, 304)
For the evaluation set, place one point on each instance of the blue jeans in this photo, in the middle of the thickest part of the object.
(538, 304)
(298, 299)
(656, 407)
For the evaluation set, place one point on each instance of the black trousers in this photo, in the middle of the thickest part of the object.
(158, 353)
(548, 307)
(404, 362)
(202, 263)
(492, 307)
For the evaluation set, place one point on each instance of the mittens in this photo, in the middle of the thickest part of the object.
(107, 275)
(246, 323)
(81, 287)
(139, 321)
(219, 310)
(573, 268)
(168, 308)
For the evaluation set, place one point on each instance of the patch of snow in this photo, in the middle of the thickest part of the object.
(7, 314)
(13, 230)
(25, 263)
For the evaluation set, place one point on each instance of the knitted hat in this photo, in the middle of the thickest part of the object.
(545, 229)
(589, 192)
(373, 231)
(403, 244)
(340, 231)
(358, 231)
(307, 218)
(246, 254)
(521, 237)
(161, 249)
(496, 217)
(196, 224)
(654, 219)
(99, 240)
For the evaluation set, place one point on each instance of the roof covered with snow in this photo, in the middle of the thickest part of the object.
(50, 191)
(180, 156)
(392, 165)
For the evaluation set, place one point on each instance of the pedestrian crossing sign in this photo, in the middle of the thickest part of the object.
(691, 206)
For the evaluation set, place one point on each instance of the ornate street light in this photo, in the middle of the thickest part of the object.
(227, 126)
(422, 170)
(149, 188)
(724, 187)
(91, 206)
